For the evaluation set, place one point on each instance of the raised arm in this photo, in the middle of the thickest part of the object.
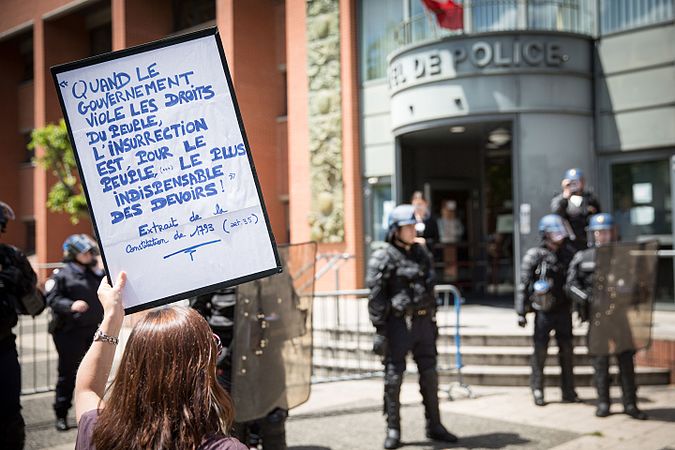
(95, 367)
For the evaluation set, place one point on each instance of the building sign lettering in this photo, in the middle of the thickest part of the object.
(472, 57)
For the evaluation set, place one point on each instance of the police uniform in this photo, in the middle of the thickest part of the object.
(17, 278)
(402, 308)
(218, 308)
(72, 332)
(580, 288)
(541, 263)
(576, 209)
(18, 295)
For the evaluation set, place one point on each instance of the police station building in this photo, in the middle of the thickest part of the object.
(485, 121)
(350, 106)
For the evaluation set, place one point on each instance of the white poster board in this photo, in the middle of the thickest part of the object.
(167, 169)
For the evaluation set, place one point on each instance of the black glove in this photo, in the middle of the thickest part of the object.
(380, 345)
(522, 321)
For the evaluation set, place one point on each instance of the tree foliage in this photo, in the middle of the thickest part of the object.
(66, 195)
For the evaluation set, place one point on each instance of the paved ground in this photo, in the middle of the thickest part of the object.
(347, 415)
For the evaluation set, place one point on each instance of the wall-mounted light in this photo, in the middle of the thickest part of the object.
(457, 129)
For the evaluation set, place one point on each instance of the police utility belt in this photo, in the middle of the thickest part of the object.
(410, 312)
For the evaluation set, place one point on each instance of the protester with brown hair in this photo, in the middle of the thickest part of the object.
(165, 394)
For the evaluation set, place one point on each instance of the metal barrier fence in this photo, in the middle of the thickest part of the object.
(37, 354)
(343, 335)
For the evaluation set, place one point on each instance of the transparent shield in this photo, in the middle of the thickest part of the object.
(623, 297)
(272, 357)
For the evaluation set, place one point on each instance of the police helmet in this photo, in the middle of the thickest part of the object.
(573, 174)
(76, 244)
(402, 215)
(6, 214)
(602, 221)
(552, 226)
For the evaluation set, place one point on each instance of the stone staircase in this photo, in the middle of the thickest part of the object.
(489, 358)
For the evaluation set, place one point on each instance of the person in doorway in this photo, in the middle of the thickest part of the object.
(17, 280)
(426, 225)
(450, 230)
(76, 312)
(580, 277)
(402, 308)
(575, 205)
(541, 289)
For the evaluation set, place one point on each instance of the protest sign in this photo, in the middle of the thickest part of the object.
(167, 169)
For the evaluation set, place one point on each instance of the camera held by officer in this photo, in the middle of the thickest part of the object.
(402, 308)
(575, 205)
(580, 285)
(541, 290)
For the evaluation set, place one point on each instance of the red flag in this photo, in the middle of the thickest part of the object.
(449, 14)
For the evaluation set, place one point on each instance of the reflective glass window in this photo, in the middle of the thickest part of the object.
(379, 21)
(618, 15)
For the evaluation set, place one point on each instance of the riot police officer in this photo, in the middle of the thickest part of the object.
(17, 280)
(218, 308)
(402, 308)
(580, 288)
(575, 205)
(76, 313)
(541, 289)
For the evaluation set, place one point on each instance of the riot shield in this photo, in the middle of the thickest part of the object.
(623, 297)
(272, 348)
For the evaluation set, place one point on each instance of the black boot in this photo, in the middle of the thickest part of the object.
(392, 407)
(273, 430)
(566, 360)
(538, 397)
(601, 377)
(628, 387)
(61, 424)
(537, 376)
(429, 390)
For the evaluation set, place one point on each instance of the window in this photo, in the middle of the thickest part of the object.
(618, 15)
(379, 21)
(641, 199)
(491, 15)
(192, 13)
(381, 205)
(29, 245)
(100, 39)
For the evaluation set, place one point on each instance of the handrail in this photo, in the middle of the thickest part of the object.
(438, 289)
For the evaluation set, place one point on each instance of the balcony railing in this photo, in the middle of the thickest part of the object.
(573, 16)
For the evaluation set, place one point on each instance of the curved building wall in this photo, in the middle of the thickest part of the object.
(540, 81)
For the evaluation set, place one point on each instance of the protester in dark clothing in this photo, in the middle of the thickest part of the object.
(580, 280)
(575, 205)
(542, 290)
(76, 313)
(17, 282)
(402, 308)
(165, 394)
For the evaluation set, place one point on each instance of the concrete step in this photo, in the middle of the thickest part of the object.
(471, 355)
(471, 338)
(488, 375)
